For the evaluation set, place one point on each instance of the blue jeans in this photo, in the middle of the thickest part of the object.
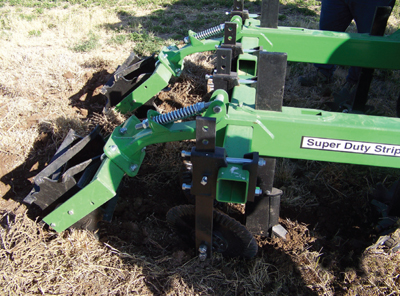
(336, 15)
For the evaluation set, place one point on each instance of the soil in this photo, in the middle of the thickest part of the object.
(338, 223)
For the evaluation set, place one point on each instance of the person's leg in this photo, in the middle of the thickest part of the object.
(363, 12)
(335, 16)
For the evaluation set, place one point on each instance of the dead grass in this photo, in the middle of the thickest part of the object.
(35, 261)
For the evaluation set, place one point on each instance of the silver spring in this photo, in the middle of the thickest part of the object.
(175, 115)
(207, 33)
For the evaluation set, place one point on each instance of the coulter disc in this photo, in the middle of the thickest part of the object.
(230, 237)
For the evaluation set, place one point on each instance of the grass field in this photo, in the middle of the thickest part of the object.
(54, 58)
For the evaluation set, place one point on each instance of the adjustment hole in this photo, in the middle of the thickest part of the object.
(205, 142)
(205, 128)
(223, 57)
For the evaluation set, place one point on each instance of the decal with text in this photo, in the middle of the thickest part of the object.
(350, 146)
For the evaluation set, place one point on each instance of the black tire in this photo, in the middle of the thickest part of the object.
(230, 238)
(394, 206)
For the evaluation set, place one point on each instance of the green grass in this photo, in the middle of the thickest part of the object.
(92, 42)
(119, 39)
(4, 23)
(35, 33)
(146, 44)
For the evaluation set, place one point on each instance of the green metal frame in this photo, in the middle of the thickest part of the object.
(293, 133)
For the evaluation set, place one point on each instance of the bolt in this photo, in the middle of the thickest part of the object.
(113, 147)
(143, 149)
(133, 167)
(178, 71)
(219, 97)
(53, 225)
(165, 56)
(217, 109)
(207, 76)
(258, 191)
(262, 162)
(123, 130)
(186, 40)
(202, 252)
(185, 153)
(71, 212)
(204, 180)
(267, 192)
(39, 180)
(142, 125)
(186, 186)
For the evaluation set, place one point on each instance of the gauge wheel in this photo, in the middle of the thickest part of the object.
(230, 237)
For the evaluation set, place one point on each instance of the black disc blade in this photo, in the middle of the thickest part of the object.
(230, 238)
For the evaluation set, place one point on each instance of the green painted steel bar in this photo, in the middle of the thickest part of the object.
(326, 47)
(319, 135)
(174, 56)
(101, 189)
(127, 150)
(233, 181)
(281, 134)
(152, 86)
(170, 63)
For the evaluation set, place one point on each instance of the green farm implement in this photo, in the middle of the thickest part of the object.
(239, 132)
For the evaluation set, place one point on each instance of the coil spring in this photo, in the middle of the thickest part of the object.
(180, 113)
(175, 115)
(207, 33)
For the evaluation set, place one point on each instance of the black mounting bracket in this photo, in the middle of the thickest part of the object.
(269, 14)
(230, 40)
(263, 214)
(238, 9)
(206, 159)
(224, 78)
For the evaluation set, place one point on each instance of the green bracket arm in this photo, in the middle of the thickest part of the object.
(101, 189)
(148, 89)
